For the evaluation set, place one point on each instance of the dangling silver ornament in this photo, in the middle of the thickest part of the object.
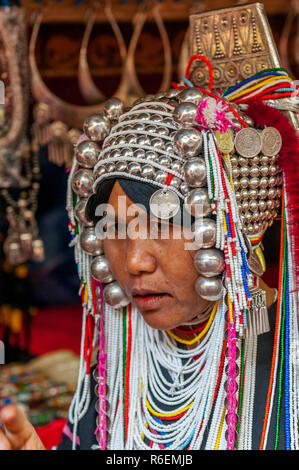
(164, 204)
(197, 203)
(209, 262)
(80, 213)
(204, 232)
(87, 153)
(209, 288)
(113, 108)
(185, 114)
(97, 127)
(114, 295)
(82, 182)
(188, 142)
(195, 172)
(100, 269)
(192, 95)
(90, 243)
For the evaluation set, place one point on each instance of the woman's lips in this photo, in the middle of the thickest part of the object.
(150, 301)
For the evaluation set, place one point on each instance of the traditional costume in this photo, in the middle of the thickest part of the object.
(232, 153)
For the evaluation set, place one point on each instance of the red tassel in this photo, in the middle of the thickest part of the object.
(288, 160)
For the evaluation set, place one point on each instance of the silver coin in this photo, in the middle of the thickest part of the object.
(271, 141)
(248, 142)
(164, 204)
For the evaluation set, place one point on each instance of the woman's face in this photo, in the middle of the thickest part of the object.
(157, 275)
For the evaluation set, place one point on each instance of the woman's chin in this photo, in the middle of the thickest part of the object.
(159, 320)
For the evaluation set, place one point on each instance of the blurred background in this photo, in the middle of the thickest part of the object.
(59, 61)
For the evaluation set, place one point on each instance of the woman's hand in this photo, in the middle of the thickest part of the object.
(17, 433)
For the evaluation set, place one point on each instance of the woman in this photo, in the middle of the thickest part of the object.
(188, 357)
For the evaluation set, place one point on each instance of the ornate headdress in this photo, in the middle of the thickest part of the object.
(228, 155)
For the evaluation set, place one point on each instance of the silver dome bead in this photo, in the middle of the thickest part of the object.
(195, 172)
(131, 139)
(272, 181)
(268, 214)
(253, 205)
(176, 165)
(262, 205)
(243, 161)
(134, 168)
(114, 295)
(172, 93)
(151, 128)
(100, 269)
(126, 152)
(264, 170)
(82, 182)
(113, 108)
(273, 170)
(262, 193)
(163, 131)
(188, 142)
(139, 153)
(143, 140)
(129, 127)
(190, 94)
(277, 203)
(184, 188)
(138, 126)
(236, 185)
(250, 229)
(272, 193)
(254, 183)
(244, 183)
(79, 212)
(90, 243)
(204, 232)
(233, 161)
(247, 217)
(152, 156)
(87, 153)
(264, 159)
(164, 160)
(253, 193)
(270, 204)
(120, 140)
(157, 143)
(209, 288)
(147, 171)
(256, 216)
(197, 203)
(110, 167)
(278, 191)
(100, 170)
(114, 154)
(245, 205)
(175, 182)
(238, 196)
(169, 147)
(255, 160)
(256, 228)
(168, 121)
(157, 118)
(121, 166)
(97, 127)
(244, 194)
(160, 176)
(185, 114)
(254, 171)
(235, 172)
(244, 171)
(142, 116)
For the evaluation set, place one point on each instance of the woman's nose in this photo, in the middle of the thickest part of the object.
(139, 257)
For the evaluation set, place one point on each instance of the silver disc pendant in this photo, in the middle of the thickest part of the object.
(164, 204)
